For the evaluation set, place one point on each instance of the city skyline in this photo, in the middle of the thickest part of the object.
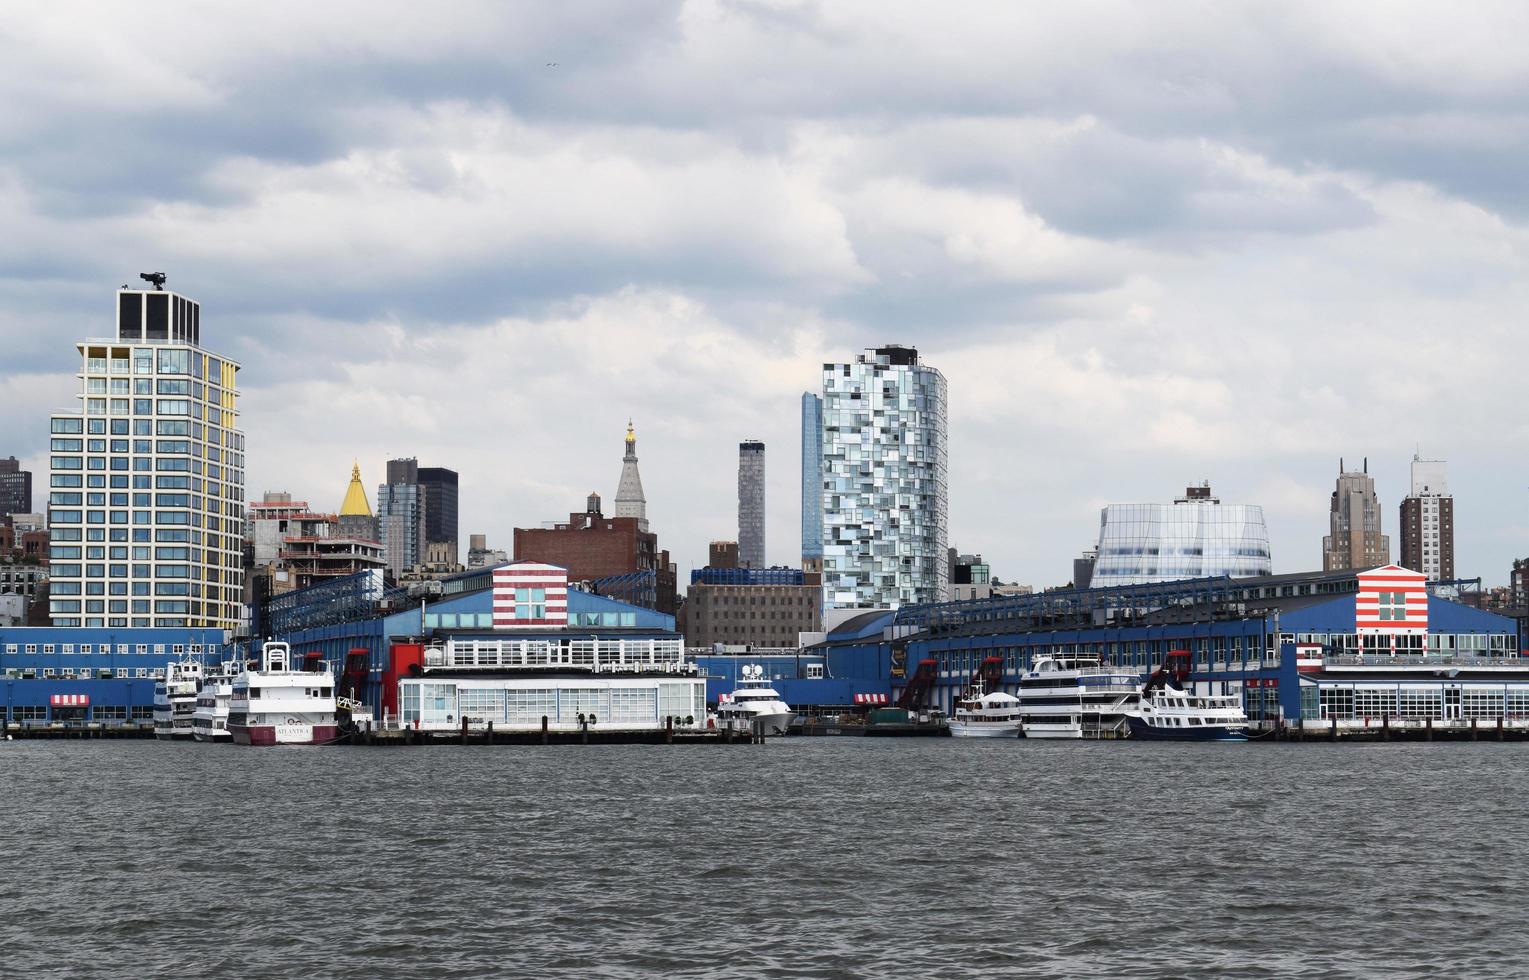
(1158, 259)
(726, 513)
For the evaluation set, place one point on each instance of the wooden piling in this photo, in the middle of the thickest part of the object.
(489, 738)
(544, 729)
(668, 729)
(1332, 732)
(1473, 729)
(1499, 728)
(584, 731)
(1429, 729)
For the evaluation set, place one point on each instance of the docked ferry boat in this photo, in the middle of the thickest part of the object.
(175, 699)
(209, 722)
(987, 715)
(1165, 712)
(276, 704)
(1075, 697)
(755, 701)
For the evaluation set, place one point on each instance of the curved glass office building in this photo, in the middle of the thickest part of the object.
(1196, 536)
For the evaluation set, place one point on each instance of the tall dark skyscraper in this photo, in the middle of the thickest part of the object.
(417, 515)
(15, 487)
(751, 504)
(438, 485)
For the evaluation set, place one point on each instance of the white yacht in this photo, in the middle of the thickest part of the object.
(1075, 697)
(991, 715)
(1165, 712)
(175, 699)
(209, 722)
(754, 700)
(279, 705)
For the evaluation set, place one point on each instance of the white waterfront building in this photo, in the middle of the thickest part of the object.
(146, 477)
(884, 481)
(605, 683)
(1196, 536)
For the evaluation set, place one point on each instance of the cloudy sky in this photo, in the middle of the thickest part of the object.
(1147, 244)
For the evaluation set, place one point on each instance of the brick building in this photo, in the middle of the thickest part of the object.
(616, 554)
(1428, 522)
(761, 607)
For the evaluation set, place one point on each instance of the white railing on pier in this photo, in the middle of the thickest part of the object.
(1420, 660)
(596, 655)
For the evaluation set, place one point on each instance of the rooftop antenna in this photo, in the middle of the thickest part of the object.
(157, 278)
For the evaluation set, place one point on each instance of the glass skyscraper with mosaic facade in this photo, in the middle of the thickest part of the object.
(146, 477)
(1196, 536)
(884, 481)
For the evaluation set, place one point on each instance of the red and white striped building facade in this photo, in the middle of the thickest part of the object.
(530, 595)
(1391, 601)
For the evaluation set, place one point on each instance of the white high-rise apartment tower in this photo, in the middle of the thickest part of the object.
(884, 478)
(146, 477)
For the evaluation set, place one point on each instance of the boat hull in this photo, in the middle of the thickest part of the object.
(1199, 733)
(980, 729)
(1033, 730)
(283, 734)
(775, 723)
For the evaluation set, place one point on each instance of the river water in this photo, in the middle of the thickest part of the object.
(799, 858)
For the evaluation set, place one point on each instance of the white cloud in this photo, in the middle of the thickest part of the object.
(1147, 247)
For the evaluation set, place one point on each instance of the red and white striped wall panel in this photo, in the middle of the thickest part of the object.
(552, 580)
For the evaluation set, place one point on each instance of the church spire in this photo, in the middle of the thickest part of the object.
(355, 504)
(630, 501)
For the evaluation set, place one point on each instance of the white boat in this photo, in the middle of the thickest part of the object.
(1165, 710)
(753, 702)
(209, 722)
(1075, 697)
(175, 699)
(278, 705)
(990, 715)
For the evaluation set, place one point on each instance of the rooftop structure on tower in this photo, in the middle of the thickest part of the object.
(356, 518)
(356, 504)
(630, 501)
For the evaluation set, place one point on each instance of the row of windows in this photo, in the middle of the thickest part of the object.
(149, 386)
(68, 425)
(170, 360)
(121, 534)
(166, 606)
(68, 481)
(486, 620)
(140, 649)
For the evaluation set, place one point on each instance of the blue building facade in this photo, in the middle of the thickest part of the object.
(747, 576)
(1244, 636)
(105, 675)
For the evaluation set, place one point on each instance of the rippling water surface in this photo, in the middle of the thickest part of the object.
(800, 858)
